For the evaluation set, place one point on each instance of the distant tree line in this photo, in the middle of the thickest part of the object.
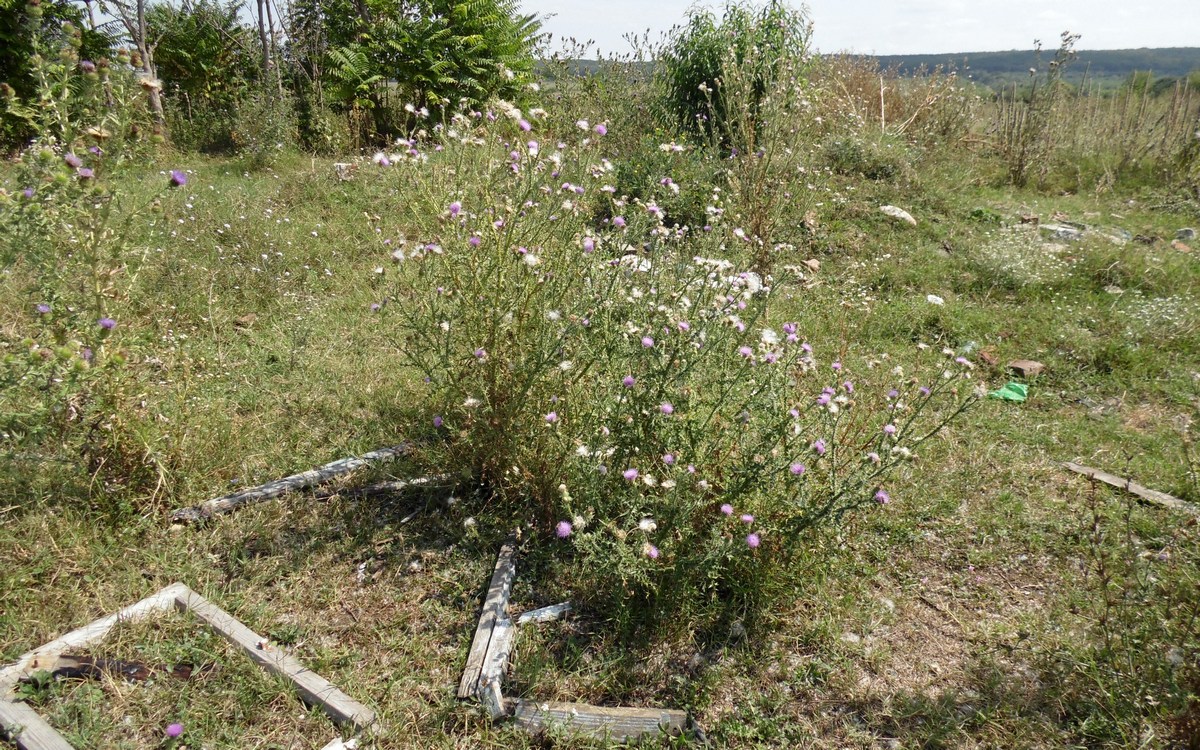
(1106, 68)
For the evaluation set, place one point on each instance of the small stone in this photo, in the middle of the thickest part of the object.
(988, 355)
(899, 214)
(1181, 247)
(1026, 368)
(1063, 232)
(1185, 234)
(813, 264)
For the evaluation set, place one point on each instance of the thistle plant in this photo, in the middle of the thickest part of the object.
(69, 231)
(615, 384)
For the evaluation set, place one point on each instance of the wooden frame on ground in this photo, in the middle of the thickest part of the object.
(30, 732)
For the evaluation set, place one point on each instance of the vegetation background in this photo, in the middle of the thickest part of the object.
(233, 251)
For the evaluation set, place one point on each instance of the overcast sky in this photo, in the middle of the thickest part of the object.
(912, 26)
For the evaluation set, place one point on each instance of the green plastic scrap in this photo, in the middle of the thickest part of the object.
(1012, 392)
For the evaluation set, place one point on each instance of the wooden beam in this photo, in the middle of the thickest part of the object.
(314, 689)
(495, 609)
(1150, 496)
(87, 635)
(617, 724)
(295, 482)
(28, 730)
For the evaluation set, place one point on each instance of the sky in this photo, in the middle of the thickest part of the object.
(930, 26)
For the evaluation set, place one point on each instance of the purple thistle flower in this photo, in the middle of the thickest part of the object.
(589, 244)
(797, 469)
(889, 429)
(600, 129)
(684, 325)
(837, 366)
(628, 381)
(848, 386)
(438, 422)
(924, 390)
(882, 497)
(43, 308)
(893, 393)
(630, 474)
(474, 241)
(73, 161)
(807, 347)
(375, 307)
(747, 518)
(552, 417)
(619, 222)
(85, 173)
(873, 457)
(107, 323)
(174, 731)
(178, 178)
(647, 342)
(669, 459)
(753, 540)
(651, 551)
(455, 208)
(563, 529)
(727, 509)
(87, 66)
(27, 192)
(789, 327)
(524, 125)
(480, 353)
(823, 399)
(666, 408)
(819, 447)
(745, 351)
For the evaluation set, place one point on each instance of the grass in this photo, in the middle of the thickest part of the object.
(997, 602)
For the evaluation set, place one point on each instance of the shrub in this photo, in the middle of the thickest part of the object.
(636, 411)
(717, 75)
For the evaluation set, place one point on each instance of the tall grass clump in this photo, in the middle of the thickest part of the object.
(1027, 121)
(617, 386)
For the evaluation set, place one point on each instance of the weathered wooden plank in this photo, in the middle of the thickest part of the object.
(28, 730)
(391, 487)
(618, 724)
(1149, 495)
(314, 689)
(495, 606)
(295, 482)
(544, 614)
(87, 635)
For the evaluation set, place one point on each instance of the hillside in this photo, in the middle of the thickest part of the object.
(991, 68)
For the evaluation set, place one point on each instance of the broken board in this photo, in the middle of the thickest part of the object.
(495, 612)
(617, 723)
(1149, 495)
(300, 481)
